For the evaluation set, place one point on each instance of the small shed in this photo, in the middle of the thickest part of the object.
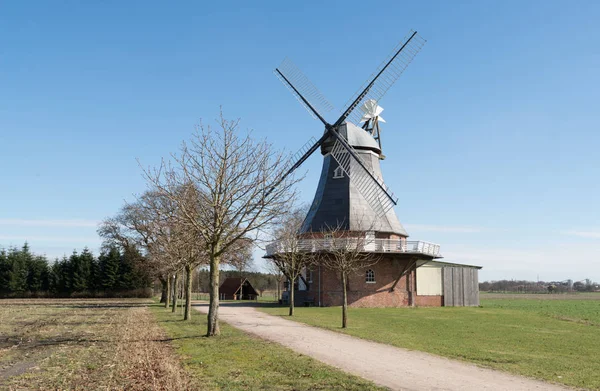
(237, 289)
(457, 284)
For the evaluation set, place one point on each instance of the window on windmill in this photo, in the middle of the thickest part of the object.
(370, 278)
(327, 240)
(338, 173)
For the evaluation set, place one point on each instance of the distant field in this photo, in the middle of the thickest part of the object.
(554, 340)
(584, 310)
(542, 296)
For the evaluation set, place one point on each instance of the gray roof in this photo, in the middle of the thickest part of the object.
(356, 137)
(449, 264)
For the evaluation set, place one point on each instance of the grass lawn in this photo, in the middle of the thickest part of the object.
(268, 299)
(237, 361)
(553, 340)
(580, 311)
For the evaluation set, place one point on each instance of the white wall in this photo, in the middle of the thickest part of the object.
(429, 280)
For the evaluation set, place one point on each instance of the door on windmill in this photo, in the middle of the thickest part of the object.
(287, 285)
(369, 241)
(300, 285)
(327, 240)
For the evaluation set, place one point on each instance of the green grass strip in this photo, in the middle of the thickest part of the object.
(553, 340)
(237, 361)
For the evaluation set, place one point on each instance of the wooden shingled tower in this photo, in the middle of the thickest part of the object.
(339, 203)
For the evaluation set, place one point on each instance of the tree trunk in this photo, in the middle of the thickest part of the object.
(164, 290)
(410, 288)
(291, 298)
(174, 305)
(168, 301)
(345, 302)
(188, 292)
(213, 309)
(278, 290)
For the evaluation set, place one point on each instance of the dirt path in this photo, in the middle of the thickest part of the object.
(396, 368)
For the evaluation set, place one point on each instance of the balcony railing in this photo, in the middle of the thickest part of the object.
(372, 245)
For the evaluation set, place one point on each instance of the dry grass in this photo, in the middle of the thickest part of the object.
(85, 345)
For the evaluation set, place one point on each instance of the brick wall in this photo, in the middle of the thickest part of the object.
(363, 294)
(429, 301)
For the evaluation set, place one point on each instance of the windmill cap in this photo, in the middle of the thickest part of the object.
(358, 137)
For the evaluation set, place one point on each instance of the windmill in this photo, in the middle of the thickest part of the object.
(352, 180)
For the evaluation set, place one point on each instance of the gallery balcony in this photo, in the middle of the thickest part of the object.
(373, 245)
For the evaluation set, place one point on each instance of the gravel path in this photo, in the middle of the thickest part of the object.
(392, 367)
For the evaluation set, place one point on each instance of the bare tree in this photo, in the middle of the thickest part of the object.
(151, 223)
(238, 190)
(183, 250)
(240, 257)
(290, 257)
(273, 269)
(129, 229)
(160, 230)
(154, 224)
(347, 253)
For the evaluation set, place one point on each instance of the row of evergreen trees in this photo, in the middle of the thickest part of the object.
(113, 273)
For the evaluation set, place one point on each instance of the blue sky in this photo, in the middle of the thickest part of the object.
(492, 133)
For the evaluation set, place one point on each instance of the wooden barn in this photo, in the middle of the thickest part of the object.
(237, 289)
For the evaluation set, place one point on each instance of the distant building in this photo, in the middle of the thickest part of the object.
(237, 289)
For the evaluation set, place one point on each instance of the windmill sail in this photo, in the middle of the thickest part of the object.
(294, 161)
(300, 156)
(384, 76)
(371, 110)
(303, 89)
(369, 185)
